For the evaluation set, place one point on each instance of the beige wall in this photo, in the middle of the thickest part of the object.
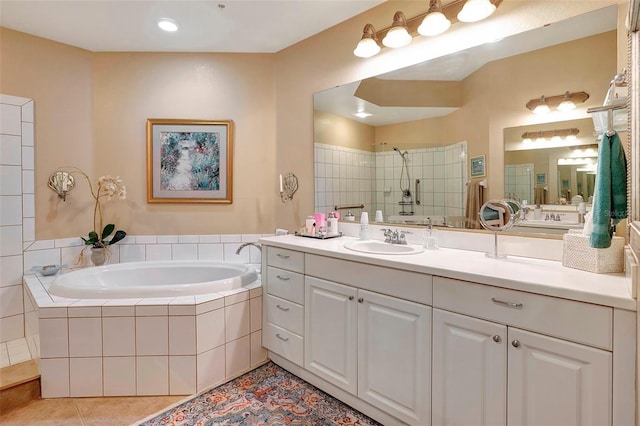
(91, 111)
(332, 129)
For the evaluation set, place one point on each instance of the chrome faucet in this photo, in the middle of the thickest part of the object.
(395, 237)
(243, 245)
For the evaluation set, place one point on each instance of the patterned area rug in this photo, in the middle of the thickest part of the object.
(265, 396)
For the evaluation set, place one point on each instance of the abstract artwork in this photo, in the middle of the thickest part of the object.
(189, 161)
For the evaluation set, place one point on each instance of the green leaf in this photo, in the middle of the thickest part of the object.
(119, 235)
(108, 230)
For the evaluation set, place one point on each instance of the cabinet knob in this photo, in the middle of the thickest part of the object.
(351, 297)
(515, 343)
(497, 338)
(360, 300)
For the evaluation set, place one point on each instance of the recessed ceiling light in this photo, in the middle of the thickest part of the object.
(168, 24)
(362, 114)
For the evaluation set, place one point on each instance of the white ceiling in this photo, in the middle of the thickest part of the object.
(341, 101)
(262, 26)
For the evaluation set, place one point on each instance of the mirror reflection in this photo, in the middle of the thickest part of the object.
(401, 142)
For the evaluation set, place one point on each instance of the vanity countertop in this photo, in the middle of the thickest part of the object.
(518, 273)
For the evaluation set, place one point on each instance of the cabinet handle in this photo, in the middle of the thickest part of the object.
(351, 297)
(281, 308)
(282, 256)
(360, 300)
(282, 278)
(515, 343)
(497, 338)
(512, 305)
(284, 339)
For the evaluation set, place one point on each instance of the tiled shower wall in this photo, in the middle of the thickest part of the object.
(348, 176)
(17, 211)
(518, 181)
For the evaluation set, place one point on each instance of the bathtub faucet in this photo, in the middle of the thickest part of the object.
(243, 245)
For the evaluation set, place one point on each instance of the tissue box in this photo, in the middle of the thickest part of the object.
(576, 253)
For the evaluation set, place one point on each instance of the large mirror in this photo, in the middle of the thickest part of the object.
(403, 142)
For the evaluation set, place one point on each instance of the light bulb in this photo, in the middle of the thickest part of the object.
(566, 104)
(542, 107)
(397, 37)
(168, 25)
(476, 10)
(366, 48)
(433, 24)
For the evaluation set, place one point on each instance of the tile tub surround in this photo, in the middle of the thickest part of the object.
(136, 347)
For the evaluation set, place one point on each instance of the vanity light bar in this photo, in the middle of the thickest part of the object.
(559, 102)
(550, 134)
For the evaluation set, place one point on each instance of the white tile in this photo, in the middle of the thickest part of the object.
(11, 302)
(146, 239)
(11, 238)
(144, 310)
(182, 335)
(13, 100)
(59, 312)
(152, 375)
(27, 112)
(85, 377)
(182, 375)
(132, 253)
(255, 292)
(211, 368)
(167, 239)
(68, 242)
(11, 327)
(183, 305)
(231, 238)
(230, 255)
(111, 310)
(10, 270)
(28, 182)
(236, 321)
(28, 205)
(152, 336)
(41, 257)
(255, 306)
(119, 376)
(27, 158)
(209, 239)
(85, 337)
(258, 352)
(54, 340)
(28, 137)
(158, 252)
(10, 210)
(42, 245)
(70, 256)
(28, 229)
(211, 252)
(209, 303)
(210, 330)
(54, 378)
(188, 239)
(185, 251)
(10, 150)
(11, 123)
(235, 296)
(118, 336)
(238, 356)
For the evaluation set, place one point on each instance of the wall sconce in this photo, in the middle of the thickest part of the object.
(435, 21)
(566, 102)
(553, 135)
(61, 183)
(288, 186)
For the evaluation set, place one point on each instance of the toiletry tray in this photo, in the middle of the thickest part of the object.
(318, 237)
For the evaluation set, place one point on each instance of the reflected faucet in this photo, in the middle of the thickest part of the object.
(243, 245)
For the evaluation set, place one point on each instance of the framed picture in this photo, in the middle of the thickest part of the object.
(541, 178)
(477, 166)
(189, 161)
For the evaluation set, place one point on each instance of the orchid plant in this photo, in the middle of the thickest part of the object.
(108, 187)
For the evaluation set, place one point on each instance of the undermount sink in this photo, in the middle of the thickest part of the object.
(378, 247)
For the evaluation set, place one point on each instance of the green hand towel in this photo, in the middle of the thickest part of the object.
(610, 200)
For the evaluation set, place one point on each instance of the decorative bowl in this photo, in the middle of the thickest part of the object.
(47, 269)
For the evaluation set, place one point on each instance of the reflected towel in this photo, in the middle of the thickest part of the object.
(540, 195)
(475, 195)
(610, 199)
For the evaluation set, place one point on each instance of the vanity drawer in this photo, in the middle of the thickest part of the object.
(284, 343)
(285, 284)
(567, 319)
(285, 314)
(286, 259)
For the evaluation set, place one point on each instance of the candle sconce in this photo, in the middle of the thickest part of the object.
(288, 186)
(62, 183)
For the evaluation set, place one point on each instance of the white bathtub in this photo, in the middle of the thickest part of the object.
(152, 279)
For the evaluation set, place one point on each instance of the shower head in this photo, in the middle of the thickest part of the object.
(402, 154)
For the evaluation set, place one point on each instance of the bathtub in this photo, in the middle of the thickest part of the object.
(152, 279)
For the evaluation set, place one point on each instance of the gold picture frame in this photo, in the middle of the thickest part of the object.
(189, 161)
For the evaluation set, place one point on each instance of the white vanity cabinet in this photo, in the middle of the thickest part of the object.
(283, 313)
(490, 372)
(375, 346)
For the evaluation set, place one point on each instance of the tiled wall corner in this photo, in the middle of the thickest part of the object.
(17, 209)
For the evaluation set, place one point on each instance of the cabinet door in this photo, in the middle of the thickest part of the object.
(330, 332)
(555, 382)
(469, 371)
(394, 342)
